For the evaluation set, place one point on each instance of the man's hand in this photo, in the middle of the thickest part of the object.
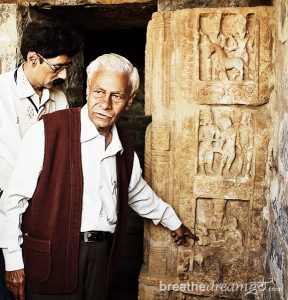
(15, 282)
(180, 235)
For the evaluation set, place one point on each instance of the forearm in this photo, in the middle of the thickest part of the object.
(148, 205)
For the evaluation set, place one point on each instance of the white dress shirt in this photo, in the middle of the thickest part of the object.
(17, 114)
(99, 190)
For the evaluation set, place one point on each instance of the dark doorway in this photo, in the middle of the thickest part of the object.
(119, 29)
(131, 44)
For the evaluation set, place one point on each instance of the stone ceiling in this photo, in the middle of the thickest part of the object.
(91, 17)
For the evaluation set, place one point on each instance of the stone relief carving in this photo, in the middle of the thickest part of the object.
(225, 144)
(230, 54)
(209, 129)
(221, 231)
(228, 58)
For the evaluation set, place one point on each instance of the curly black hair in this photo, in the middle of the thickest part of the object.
(50, 39)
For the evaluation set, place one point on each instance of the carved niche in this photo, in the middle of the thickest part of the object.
(229, 57)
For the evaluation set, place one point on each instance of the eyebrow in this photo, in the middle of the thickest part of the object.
(69, 63)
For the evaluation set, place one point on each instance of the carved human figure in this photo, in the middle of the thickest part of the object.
(245, 144)
(216, 219)
(208, 136)
(227, 145)
(230, 47)
(204, 240)
(232, 235)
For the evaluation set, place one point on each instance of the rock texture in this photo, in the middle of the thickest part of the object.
(209, 77)
(277, 263)
(81, 2)
(9, 42)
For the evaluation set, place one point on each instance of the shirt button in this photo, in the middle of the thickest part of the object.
(100, 187)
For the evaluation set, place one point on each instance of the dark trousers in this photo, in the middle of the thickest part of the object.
(93, 260)
(4, 293)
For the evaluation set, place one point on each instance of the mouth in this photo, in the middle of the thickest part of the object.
(102, 116)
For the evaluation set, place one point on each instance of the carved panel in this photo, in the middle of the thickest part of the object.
(222, 227)
(230, 48)
(225, 143)
(209, 75)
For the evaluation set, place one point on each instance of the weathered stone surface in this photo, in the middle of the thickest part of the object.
(277, 258)
(282, 24)
(8, 42)
(82, 2)
(208, 74)
(180, 4)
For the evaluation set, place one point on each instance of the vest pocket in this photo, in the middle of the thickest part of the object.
(37, 258)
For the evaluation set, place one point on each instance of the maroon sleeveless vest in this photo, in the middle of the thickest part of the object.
(51, 224)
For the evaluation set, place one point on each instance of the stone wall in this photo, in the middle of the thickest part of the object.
(277, 263)
(209, 83)
(11, 21)
(180, 4)
(81, 2)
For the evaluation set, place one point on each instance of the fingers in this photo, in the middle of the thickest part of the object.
(22, 293)
(180, 235)
(15, 281)
(193, 237)
(178, 239)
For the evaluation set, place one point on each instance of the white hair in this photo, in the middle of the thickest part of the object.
(115, 63)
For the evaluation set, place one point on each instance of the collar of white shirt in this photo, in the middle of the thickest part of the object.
(25, 89)
(90, 132)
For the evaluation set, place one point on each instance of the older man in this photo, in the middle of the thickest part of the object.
(31, 91)
(80, 173)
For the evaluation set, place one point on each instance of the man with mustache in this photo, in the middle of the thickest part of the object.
(31, 91)
(72, 185)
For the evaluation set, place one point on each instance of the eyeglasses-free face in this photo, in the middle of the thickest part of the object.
(55, 68)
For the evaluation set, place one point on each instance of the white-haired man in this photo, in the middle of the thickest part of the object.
(74, 223)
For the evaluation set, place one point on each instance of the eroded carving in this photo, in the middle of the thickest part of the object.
(221, 231)
(228, 58)
(225, 144)
(230, 53)
(213, 140)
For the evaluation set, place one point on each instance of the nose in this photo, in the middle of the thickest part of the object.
(62, 74)
(106, 102)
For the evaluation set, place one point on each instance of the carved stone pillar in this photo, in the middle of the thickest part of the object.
(209, 78)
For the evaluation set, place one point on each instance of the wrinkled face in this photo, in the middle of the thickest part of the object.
(108, 95)
(51, 71)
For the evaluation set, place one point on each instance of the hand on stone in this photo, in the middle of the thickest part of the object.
(15, 282)
(180, 235)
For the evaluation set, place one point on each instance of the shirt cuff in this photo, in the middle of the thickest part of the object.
(13, 260)
(172, 223)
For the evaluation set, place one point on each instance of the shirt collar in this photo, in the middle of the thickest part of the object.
(25, 89)
(89, 131)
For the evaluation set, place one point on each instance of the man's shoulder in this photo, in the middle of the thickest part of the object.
(7, 77)
(65, 111)
(62, 114)
(7, 86)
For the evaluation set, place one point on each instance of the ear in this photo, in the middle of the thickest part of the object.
(130, 100)
(88, 86)
(32, 58)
